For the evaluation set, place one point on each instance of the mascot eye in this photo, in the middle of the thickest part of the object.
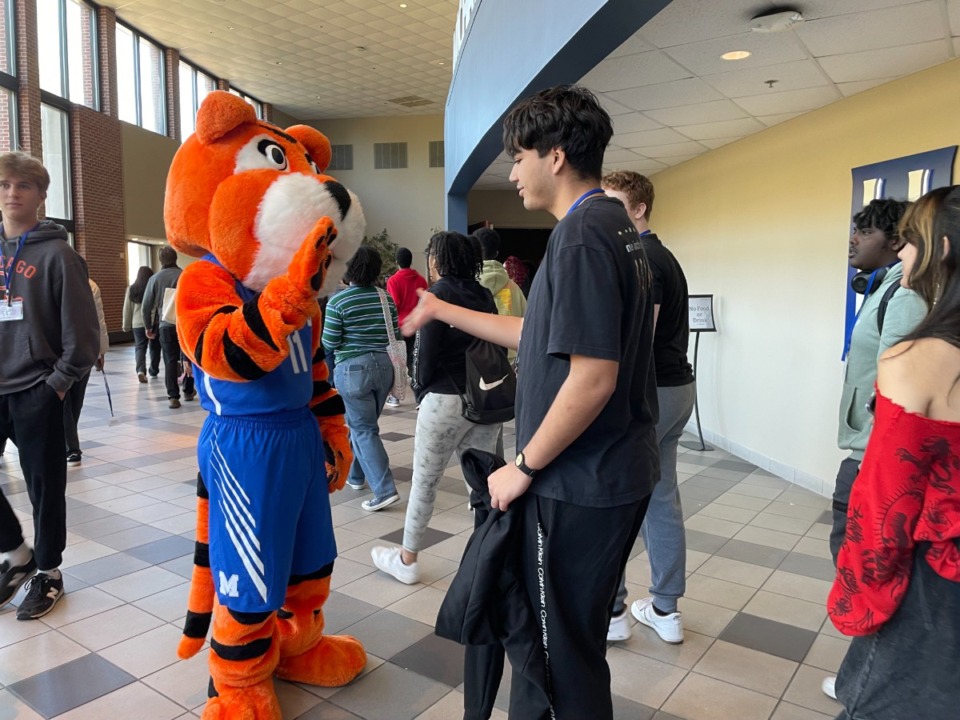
(274, 154)
(313, 165)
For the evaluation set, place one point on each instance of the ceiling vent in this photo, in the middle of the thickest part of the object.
(411, 101)
(776, 21)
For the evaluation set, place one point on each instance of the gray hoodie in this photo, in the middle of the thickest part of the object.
(58, 339)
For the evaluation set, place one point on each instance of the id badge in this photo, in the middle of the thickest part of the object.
(11, 311)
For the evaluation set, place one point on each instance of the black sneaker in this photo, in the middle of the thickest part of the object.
(12, 577)
(42, 594)
(74, 457)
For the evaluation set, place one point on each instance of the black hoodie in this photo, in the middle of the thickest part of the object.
(58, 339)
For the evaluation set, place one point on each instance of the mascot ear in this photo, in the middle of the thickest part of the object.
(220, 112)
(315, 142)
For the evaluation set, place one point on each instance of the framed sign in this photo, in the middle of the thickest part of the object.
(701, 313)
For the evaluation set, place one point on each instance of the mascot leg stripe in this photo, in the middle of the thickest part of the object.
(238, 653)
(323, 572)
(251, 313)
(239, 361)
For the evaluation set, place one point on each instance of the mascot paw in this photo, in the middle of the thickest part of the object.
(258, 702)
(189, 647)
(334, 661)
(309, 266)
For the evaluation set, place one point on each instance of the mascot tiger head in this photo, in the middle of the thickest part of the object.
(249, 193)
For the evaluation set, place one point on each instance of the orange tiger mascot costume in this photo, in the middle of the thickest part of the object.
(273, 233)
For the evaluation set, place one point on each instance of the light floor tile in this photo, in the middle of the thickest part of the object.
(747, 668)
(714, 591)
(660, 679)
(147, 653)
(827, 653)
(645, 641)
(798, 586)
(132, 701)
(37, 654)
(702, 698)
(140, 584)
(80, 604)
(788, 711)
(167, 605)
(703, 618)
(735, 571)
(13, 708)
(805, 691)
(184, 682)
(110, 627)
(423, 605)
(788, 610)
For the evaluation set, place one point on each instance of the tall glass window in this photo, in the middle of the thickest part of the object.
(195, 85)
(8, 80)
(6, 37)
(141, 89)
(67, 36)
(55, 126)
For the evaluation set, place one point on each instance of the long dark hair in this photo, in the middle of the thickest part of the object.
(934, 273)
(140, 284)
(456, 255)
(363, 268)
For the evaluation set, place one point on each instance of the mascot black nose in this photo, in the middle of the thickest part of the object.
(339, 193)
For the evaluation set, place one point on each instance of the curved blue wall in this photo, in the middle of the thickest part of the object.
(511, 49)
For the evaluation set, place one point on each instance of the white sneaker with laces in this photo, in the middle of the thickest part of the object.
(392, 401)
(374, 504)
(829, 686)
(388, 559)
(619, 627)
(668, 627)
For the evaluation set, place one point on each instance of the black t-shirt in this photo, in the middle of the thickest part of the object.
(672, 334)
(592, 297)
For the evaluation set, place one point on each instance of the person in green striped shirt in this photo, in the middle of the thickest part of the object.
(355, 329)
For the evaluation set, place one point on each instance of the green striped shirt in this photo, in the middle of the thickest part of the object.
(354, 323)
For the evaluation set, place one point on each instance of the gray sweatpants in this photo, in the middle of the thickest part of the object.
(441, 430)
(663, 531)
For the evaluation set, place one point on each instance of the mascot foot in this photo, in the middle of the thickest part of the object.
(334, 661)
(257, 702)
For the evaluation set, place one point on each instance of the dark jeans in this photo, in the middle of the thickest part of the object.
(572, 557)
(909, 667)
(410, 341)
(72, 405)
(33, 419)
(841, 498)
(170, 345)
(140, 352)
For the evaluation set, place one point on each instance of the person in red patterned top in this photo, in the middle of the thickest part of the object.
(897, 589)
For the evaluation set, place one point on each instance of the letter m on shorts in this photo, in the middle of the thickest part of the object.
(228, 585)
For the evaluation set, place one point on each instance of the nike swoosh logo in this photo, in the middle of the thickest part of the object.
(490, 386)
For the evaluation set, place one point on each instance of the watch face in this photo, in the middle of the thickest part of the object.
(519, 460)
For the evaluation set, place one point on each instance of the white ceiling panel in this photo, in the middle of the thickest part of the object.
(727, 128)
(830, 8)
(612, 107)
(885, 62)
(703, 58)
(793, 101)
(771, 120)
(852, 88)
(714, 143)
(953, 9)
(687, 149)
(698, 113)
(632, 45)
(663, 136)
(618, 156)
(753, 81)
(687, 21)
(641, 165)
(671, 94)
(633, 122)
(631, 71)
(677, 159)
(906, 25)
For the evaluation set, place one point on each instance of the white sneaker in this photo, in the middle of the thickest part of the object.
(619, 627)
(829, 686)
(392, 401)
(374, 504)
(388, 560)
(668, 627)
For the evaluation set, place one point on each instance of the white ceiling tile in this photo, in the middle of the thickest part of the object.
(726, 128)
(956, 46)
(671, 94)
(640, 165)
(703, 58)
(885, 62)
(663, 136)
(632, 45)
(751, 81)
(619, 73)
(689, 148)
(953, 9)
(771, 120)
(788, 102)
(829, 8)
(613, 108)
(614, 156)
(634, 122)
(715, 111)
(867, 31)
(852, 88)
(714, 143)
(677, 159)
(686, 21)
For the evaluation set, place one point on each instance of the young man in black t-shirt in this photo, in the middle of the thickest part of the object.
(586, 405)
(663, 531)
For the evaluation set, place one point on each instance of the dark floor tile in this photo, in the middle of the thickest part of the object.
(90, 444)
(80, 515)
(430, 537)
(75, 683)
(738, 465)
(107, 568)
(140, 461)
(402, 474)
(71, 583)
(709, 483)
(387, 633)
(390, 693)
(161, 551)
(328, 711)
(182, 566)
(769, 636)
(104, 526)
(752, 553)
(434, 657)
(704, 542)
(341, 611)
(815, 567)
(698, 493)
(624, 709)
(693, 458)
(826, 517)
(453, 485)
(391, 436)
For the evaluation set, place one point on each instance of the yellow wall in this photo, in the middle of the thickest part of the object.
(407, 202)
(504, 208)
(146, 159)
(763, 224)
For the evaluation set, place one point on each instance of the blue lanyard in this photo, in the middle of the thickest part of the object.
(646, 232)
(588, 193)
(8, 272)
(866, 294)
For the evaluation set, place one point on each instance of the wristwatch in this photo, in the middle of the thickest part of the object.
(522, 465)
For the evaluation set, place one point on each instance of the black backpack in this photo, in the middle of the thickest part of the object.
(491, 384)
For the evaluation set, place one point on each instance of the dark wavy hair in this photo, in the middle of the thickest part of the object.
(456, 255)
(363, 268)
(140, 284)
(933, 226)
(404, 258)
(884, 215)
(568, 117)
(489, 242)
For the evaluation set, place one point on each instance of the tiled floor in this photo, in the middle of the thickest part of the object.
(757, 639)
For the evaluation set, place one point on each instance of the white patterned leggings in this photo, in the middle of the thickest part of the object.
(441, 430)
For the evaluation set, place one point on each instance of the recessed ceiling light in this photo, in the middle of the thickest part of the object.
(403, 5)
(279, 62)
(736, 55)
(440, 62)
